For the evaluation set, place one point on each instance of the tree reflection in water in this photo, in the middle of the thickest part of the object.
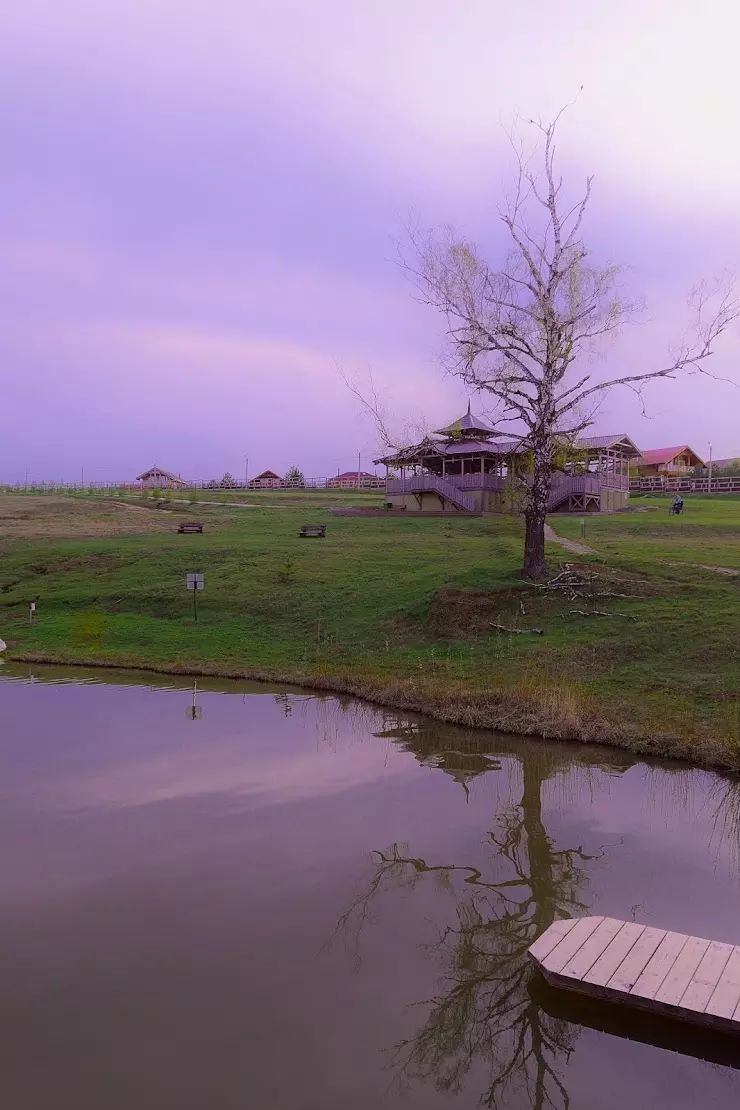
(484, 1014)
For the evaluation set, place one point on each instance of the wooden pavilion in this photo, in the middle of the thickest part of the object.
(468, 466)
(158, 478)
(268, 479)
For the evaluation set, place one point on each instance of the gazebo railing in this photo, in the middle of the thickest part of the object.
(565, 485)
(476, 481)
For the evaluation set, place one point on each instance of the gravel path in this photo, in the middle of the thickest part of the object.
(573, 546)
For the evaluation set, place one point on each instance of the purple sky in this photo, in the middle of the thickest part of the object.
(198, 203)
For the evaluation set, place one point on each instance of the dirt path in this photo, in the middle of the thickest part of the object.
(573, 546)
(731, 572)
(205, 501)
(576, 548)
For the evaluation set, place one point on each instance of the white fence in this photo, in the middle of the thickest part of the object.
(657, 484)
(186, 484)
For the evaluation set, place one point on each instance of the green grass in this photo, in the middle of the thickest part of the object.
(707, 532)
(402, 610)
(285, 498)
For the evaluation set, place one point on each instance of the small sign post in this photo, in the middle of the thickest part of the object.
(195, 582)
(31, 611)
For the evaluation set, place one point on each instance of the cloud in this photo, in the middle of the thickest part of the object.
(206, 195)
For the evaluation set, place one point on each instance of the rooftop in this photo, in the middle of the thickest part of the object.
(159, 470)
(352, 476)
(607, 442)
(467, 425)
(658, 455)
(499, 446)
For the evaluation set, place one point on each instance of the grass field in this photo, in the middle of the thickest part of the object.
(403, 610)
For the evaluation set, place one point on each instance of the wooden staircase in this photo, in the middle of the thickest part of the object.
(430, 483)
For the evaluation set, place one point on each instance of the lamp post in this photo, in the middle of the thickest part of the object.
(709, 484)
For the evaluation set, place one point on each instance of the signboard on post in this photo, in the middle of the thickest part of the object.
(195, 583)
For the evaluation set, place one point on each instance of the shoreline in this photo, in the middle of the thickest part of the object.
(538, 712)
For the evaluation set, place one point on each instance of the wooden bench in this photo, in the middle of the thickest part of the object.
(313, 530)
(191, 526)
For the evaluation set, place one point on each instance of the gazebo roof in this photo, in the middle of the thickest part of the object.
(623, 442)
(467, 425)
(470, 445)
(483, 447)
(428, 446)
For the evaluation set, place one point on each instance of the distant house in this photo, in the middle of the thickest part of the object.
(727, 464)
(356, 478)
(268, 479)
(157, 478)
(668, 462)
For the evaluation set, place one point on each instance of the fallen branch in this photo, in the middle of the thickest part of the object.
(601, 613)
(609, 593)
(516, 631)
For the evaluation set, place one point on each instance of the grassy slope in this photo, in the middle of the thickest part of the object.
(361, 611)
(707, 532)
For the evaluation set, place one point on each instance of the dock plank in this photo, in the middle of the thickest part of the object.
(588, 954)
(671, 974)
(707, 975)
(726, 997)
(551, 937)
(634, 963)
(607, 964)
(680, 975)
(659, 965)
(556, 960)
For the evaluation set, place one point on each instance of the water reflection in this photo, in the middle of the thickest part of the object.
(166, 887)
(493, 1012)
(194, 712)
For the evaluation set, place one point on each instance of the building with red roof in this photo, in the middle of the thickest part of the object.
(668, 462)
(356, 478)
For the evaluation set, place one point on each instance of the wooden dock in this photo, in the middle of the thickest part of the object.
(667, 973)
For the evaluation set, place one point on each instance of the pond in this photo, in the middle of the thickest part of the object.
(243, 896)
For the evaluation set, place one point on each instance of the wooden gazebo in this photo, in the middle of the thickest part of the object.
(468, 466)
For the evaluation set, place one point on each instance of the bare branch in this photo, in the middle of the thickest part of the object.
(525, 331)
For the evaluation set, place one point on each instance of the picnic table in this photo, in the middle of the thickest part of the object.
(191, 526)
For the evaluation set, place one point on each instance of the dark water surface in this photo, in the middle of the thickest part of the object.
(298, 902)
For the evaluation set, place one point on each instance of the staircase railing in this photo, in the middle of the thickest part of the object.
(576, 483)
(422, 483)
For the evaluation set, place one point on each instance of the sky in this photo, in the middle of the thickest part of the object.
(199, 205)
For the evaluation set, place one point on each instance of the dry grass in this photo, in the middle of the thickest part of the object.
(533, 705)
(56, 517)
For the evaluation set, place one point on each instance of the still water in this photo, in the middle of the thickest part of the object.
(299, 902)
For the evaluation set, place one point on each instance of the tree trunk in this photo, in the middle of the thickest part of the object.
(535, 566)
(535, 512)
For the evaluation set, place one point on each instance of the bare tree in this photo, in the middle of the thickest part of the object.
(524, 332)
(486, 1012)
(373, 403)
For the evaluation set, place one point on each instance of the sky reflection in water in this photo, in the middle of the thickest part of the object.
(306, 902)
